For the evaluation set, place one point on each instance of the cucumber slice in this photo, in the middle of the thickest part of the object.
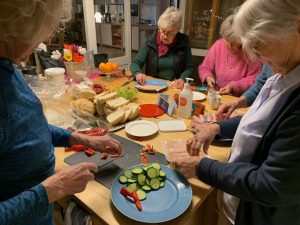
(152, 172)
(127, 173)
(141, 194)
(148, 181)
(130, 180)
(156, 166)
(137, 170)
(132, 187)
(162, 173)
(162, 184)
(141, 179)
(146, 188)
(154, 183)
(123, 179)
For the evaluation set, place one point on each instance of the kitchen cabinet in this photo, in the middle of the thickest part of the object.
(203, 19)
(117, 31)
(106, 34)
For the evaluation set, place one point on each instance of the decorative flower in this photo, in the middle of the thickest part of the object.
(73, 53)
(68, 56)
(56, 55)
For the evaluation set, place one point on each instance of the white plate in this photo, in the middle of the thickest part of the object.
(198, 96)
(141, 128)
(171, 125)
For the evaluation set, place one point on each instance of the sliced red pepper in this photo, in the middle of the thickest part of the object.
(125, 192)
(137, 201)
(144, 159)
(89, 152)
(133, 195)
(151, 151)
(78, 148)
(104, 155)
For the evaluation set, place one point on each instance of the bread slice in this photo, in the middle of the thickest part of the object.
(116, 102)
(105, 96)
(107, 110)
(127, 114)
(116, 117)
(135, 111)
(100, 100)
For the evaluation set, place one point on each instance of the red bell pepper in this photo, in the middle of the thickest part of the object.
(104, 155)
(89, 152)
(78, 148)
(134, 196)
(144, 159)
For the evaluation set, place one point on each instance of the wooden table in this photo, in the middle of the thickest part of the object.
(97, 199)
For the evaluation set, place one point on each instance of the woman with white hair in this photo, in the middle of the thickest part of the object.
(28, 185)
(260, 178)
(167, 54)
(226, 66)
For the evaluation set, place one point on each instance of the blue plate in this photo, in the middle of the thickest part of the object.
(153, 82)
(160, 206)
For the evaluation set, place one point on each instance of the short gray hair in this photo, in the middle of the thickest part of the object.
(226, 30)
(256, 21)
(31, 21)
(171, 17)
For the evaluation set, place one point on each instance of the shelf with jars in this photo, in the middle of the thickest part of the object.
(203, 19)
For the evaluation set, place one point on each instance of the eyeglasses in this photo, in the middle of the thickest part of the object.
(168, 33)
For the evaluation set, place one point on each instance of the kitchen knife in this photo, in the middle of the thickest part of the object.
(128, 81)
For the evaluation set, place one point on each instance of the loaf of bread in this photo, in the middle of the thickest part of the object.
(87, 94)
(83, 107)
(116, 117)
(116, 102)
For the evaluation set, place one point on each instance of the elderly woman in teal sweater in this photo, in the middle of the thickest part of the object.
(167, 54)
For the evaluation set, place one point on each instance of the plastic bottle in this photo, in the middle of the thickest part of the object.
(185, 100)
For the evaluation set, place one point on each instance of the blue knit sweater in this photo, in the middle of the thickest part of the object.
(26, 151)
(261, 78)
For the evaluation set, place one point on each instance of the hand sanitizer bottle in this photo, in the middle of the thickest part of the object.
(185, 100)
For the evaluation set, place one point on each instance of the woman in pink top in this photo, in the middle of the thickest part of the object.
(226, 66)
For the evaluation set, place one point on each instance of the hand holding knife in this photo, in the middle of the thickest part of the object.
(128, 81)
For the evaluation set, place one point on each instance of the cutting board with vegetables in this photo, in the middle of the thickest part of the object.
(111, 167)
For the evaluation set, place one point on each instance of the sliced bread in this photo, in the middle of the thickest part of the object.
(105, 96)
(116, 117)
(116, 102)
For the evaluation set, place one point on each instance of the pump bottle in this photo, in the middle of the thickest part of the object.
(185, 100)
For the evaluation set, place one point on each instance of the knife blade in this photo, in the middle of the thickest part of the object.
(128, 81)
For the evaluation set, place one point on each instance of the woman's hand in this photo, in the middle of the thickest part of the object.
(225, 110)
(69, 181)
(202, 139)
(103, 143)
(178, 83)
(227, 90)
(140, 78)
(210, 80)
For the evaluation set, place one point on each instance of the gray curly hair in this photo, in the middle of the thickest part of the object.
(257, 21)
(171, 17)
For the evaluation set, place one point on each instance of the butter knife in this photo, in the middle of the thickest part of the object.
(128, 81)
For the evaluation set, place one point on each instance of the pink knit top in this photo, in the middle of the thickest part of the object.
(229, 68)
